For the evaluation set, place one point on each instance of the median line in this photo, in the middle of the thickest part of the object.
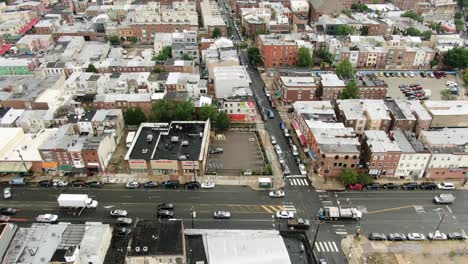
(390, 209)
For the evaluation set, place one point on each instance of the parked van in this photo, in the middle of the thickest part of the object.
(294, 150)
(17, 181)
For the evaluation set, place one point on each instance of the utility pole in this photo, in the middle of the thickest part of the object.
(315, 236)
(24, 164)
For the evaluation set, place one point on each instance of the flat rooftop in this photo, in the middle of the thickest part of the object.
(446, 137)
(379, 142)
(331, 80)
(322, 110)
(446, 108)
(159, 238)
(298, 81)
(334, 137)
(356, 109)
(142, 147)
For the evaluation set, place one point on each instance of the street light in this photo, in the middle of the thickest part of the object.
(441, 218)
(24, 164)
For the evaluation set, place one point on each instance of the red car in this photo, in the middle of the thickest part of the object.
(417, 88)
(355, 186)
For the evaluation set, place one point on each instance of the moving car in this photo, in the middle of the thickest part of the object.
(221, 215)
(78, 183)
(374, 186)
(303, 169)
(132, 185)
(166, 206)
(416, 237)
(192, 185)
(437, 236)
(8, 211)
(284, 215)
(445, 186)
(377, 237)
(46, 218)
(355, 186)
(456, 236)
(216, 150)
(410, 186)
(428, 186)
(276, 194)
(7, 193)
(150, 184)
(444, 198)
(390, 186)
(95, 184)
(299, 223)
(396, 237)
(124, 221)
(165, 213)
(118, 213)
(170, 184)
(208, 185)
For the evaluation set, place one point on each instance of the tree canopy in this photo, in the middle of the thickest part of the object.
(222, 121)
(216, 32)
(134, 116)
(349, 176)
(304, 57)
(164, 54)
(91, 68)
(167, 111)
(343, 30)
(412, 14)
(351, 91)
(359, 7)
(345, 69)
(207, 112)
(456, 58)
(254, 55)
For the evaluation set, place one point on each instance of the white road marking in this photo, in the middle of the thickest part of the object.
(338, 225)
(341, 233)
(320, 191)
(336, 248)
(448, 208)
(325, 245)
(317, 246)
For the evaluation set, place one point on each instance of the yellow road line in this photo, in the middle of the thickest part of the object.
(390, 209)
(266, 209)
(275, 209)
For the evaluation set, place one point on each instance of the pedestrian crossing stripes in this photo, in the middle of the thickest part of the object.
(271, 209)
(326, 246)
(298, 181)
(289, 208)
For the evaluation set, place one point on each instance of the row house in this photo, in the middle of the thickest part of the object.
(364, 56)
(82, 83)
(239, 4)
(407, 115)
(121, 101)
(119, 65)
(212, 18)
(414, 155)
(34, 43)
(181, 82)
(240, 109)
(371, 87)
(277, 50)
(349, 3)
(380, 152)
(185, 43)
(47, 26)
(255, 21)
(98, 122)
(330, 86)
(362, 115)
(447, 113)
(359, 21)
(295, 87)
(449, 155)
(17, 66)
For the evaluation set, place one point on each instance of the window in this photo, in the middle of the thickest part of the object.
(375, 158)
(337, 157)
(334, 164)
(380, 164)
(354, 157)
(382, 157)
(352, 165)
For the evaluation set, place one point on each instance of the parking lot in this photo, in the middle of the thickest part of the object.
(241, 151)
(433, 84)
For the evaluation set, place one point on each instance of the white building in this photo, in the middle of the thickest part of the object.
(81, 83)
(32, 121)
(413, 158)
(227, 80)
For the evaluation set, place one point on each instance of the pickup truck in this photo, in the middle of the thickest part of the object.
(444, 199)
(299, 223)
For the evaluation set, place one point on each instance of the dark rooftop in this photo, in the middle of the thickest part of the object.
(391, 104)
(195, 249)
(157, 238)
(59, 255)
(88, 116)
(144, 147)
(175, 96)
(3, 111)
(72, 118)
(368, 80)
(94, 77)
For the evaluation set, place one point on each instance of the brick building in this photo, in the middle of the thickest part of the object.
(277, 50)
(380, 153)
(296, 86)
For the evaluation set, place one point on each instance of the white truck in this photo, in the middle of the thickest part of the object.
(76, 202)
(46, 218)
(444, 199)
(129, 139)
(338, 213)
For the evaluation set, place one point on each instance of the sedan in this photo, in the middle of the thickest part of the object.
(374, 186)
(456, 236)
(411, 74)
(150, 184)
(276, 194)
(7, 193)
(396, 237)
(390, 186)
(416, 237)
(437, 236)
(8, 211)
(221, 215)
(284, 215)
(95, 184)
(192, 185)
(132, 185)
(118, 213)
(166, 206)
(428, 186)
(208, 185)
(445, 186)
(165, 213)
(44, 183)
(377, 237)
(60, 183)
(122, 231)
(410, 186)
(355, 186)
(78, 183)
(303, 169)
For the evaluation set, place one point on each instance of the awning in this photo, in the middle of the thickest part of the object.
(303, 140)
(31, 24)
(312, 155)
(299, 133)
(238, 117)
(15, 166)
(65, 167)
(49, 165)
(5, 48)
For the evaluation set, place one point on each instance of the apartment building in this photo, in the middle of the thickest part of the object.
(381, 153)
(447, 113)
(414, 155)
(362, 115)
(296, 86)
(371, 87)
(330, 86)
(212, 17)
(277, 50)
(121, 101)
(240, 109)
(17, 66)
(33, 43)
(255, 20)
(182, 82)
(229, 81)
(408, 115)
(185, 44)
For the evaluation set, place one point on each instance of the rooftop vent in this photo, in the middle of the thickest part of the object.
(174, 139)
(185, 143)
(145, 249)
(182, 157)
(149, 138)
(144, 151)
(137, 249)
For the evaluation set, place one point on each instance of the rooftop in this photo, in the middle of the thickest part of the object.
(142, 147)
(136, 97)
(298, 81)
(322, 110)
(25, 88)
(446, 108)
(28, 146)
(357, 109)
(334, 137)
(230, 73)
(446, 137)
(407, 141)
(331, 80)
(157, 238)
(369, 80)
(413, 108)
(379, 142)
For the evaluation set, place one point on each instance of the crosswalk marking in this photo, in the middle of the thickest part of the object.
(335, 247)
(298, 181)
(290, 208)
(328, 246)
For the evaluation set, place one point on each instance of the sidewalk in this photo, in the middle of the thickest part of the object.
(330, 185)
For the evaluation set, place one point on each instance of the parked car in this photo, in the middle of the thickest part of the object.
(95, 184)
(170, 184)
(445, 186)
(150, 184)
(278, 150)
(45, 183)
(437, 236)
(8, 211)
(46, 218)
(216, 150)
(414, 85)
(355, 186)
(377, 237)
(411, 74)
(78, 183)
(166, 206)
(390, 186)
(456, 236)
(123, 231)
(423, 74)
(118, 213)
(396, 237)
(192, 185)
(273, 140)
(284, 215)
(398, 74)
(276, 194)
(387, 74)
(402, 86)
(410, 186)
(208, 185)
(7, 193)
(132, 185)
(165, 213)
(124, 221)
(221, 215)
(59, 183)
(428, 186)
(374, 186)
(302, 169)
(416, 236)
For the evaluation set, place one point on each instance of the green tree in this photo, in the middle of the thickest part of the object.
(222, 121)
(158, 70)
(465, 77)
(326, 56)
(184, 111)
(456, 58)
(243, 45)
(216, 32)
(185, 56)
(114, 40)
(91, 68)
(207, 112)
(434, 62)
(359, 7)
(459, 24)
(304, 57)
(351, 91)
(164, 54)
(349, 176)
(254, 55)
(364, 31)
(413, 15)
(134, 116)
(345, 69)
(344, 30)
(411, 31)
(133, 39)
(163, 111)
(346, 12)
(364, 178)
(426, 34)
(447, 95)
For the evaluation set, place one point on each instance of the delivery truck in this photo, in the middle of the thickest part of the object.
(337, 213)
(76, 203)
(444, 199)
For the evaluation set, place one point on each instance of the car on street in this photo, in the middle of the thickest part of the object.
(132, 185)
(208, 185)
(322, 261)
(216, 150)
(374, 186)
(95, 184)
(355, 186)
(302, 169)
(281, 162)
(284, 215)
(389, 186)
(193, 185)
(165, 213)
(124, 221)
(437, 236)
(416, 237)
(221, 215)
(166, 206)
(273, 140)
(445, 186)
(278, 150)
(456, 236)
(7, 193)
(118, 213)
(122, 231)
(44, 183)
(396, 237)
(428, 186)
(377, 237)
(46, 218)
(398, 74)
(150, 184)
(60, 183)
(8, 211)
(276, 194)
(78, 183)
(411, 74)
(410, 186)
(170, 184)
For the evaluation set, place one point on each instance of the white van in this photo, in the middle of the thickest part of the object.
(294, 150)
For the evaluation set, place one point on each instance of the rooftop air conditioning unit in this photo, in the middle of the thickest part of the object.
(174, 139)
(149, 138)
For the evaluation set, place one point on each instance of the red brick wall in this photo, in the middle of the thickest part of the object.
(445, 173)
(283, 55)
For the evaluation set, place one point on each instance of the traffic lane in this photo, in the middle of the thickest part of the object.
(328, 244)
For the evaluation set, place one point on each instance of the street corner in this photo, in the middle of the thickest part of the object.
(320, 183)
